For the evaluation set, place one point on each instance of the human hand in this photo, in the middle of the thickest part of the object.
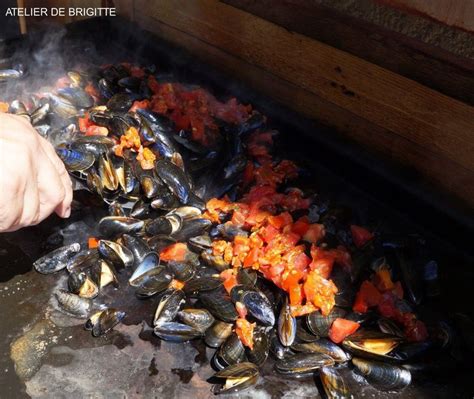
(33, 180)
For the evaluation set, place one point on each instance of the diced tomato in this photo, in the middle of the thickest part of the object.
(92, 242)
(342, 328)
(269, 233)
(291, 278)
(176, 252)
(176, 284)
(145, 104)
(248, 174)
(230, 283)
(323, 265)
(244, 330)
(314, 233)
(283, 219)
(300, 227)
(383, 280)
(416, 332)
(367, 296)
(296, 294)
(360, 304)
(94, 130)
(360, 235)
(84, 123)
(386, 306)
(252, 257)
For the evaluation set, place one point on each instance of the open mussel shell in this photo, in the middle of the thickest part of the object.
(372, 344)
(169, 306)
(200, 319)
(217, 334)
(383, 376)
(334, 384)
(232, 351)
(164, 225)
(219, 305)
(62, 106)
(137, 246)
(113, 226)
(325, 346)
(149, 262)
(81, 284)
(73, 304)
(237, 377)
(302, 364)
(186, 212)
(174, 178)
(106, 274)
(182, 271)
(107, 173)
(286, 325)
(319, 324)
(119, 255)
(176, 332)
(57, 259)
(103, 321)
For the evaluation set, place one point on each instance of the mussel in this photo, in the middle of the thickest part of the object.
(286, 325)
(57, 259)
(237, 377)
(73, 304)
(200, 319)
(176, 332)
(114, 226)
(174, 178)
(169, 306)
(117, 254)
(383, 376)
(302, 364)
(102, 322)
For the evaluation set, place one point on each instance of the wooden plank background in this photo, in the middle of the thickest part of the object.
(451, 12)
(395, 116)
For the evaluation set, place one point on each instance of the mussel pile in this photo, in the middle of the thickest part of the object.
(204, 220)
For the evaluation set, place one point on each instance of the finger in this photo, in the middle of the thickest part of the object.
(50, 187)
(64, 208)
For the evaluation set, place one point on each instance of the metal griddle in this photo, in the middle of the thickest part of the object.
(56, 357)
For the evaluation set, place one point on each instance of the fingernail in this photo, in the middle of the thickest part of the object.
(68, 212)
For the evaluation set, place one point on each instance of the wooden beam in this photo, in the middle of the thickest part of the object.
(437, 123)
(441, 171)
(429, 65)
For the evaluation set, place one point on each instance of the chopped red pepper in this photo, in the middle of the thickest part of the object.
(360, 235)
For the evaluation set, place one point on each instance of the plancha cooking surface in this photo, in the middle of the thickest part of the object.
(47, 354)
